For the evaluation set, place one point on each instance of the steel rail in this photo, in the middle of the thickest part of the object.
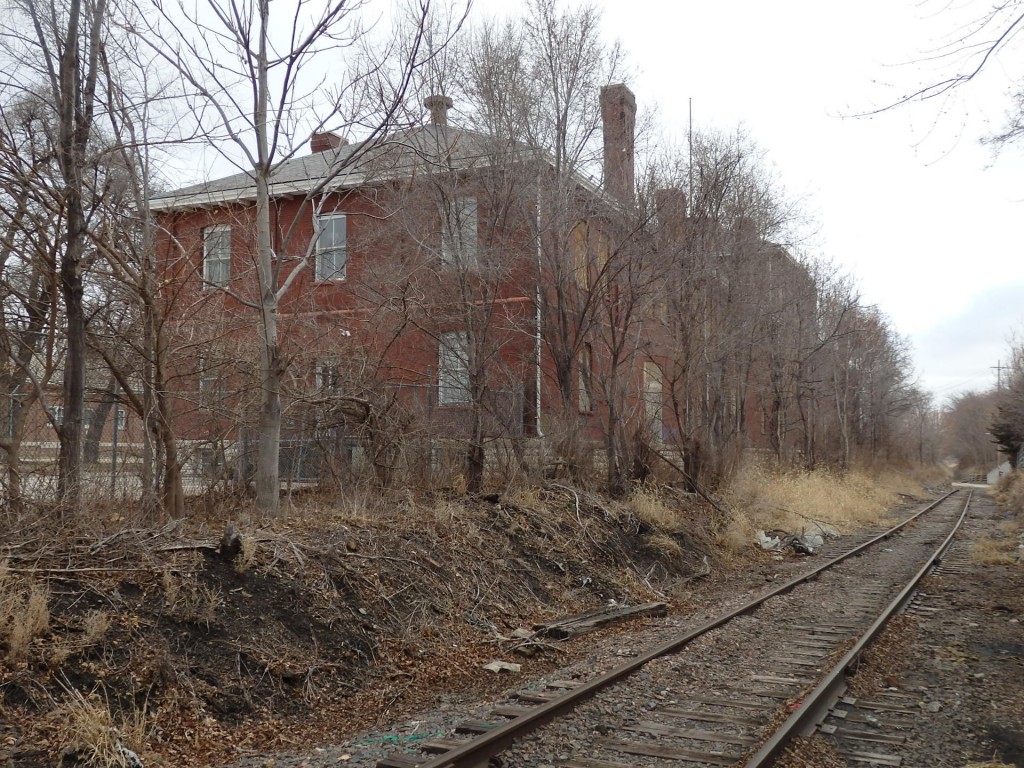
(476, 752)
(815, 706)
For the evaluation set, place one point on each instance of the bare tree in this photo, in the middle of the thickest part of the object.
(984, 37)
(60, 62)
(31, 223)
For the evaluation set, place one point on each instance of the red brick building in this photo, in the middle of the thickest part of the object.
(422, 277)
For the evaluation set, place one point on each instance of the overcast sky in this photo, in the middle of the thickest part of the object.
(908, 202)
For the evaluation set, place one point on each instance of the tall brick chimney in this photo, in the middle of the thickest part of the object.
(618, 117)
(321, 142)
(438, 106)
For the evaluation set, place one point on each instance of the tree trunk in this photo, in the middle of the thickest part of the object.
(268, 483)
(69, 461)
(94, 434)
(172, 495)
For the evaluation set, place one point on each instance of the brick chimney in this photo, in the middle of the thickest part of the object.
(321, 142)
(438, 106)
(618, 117)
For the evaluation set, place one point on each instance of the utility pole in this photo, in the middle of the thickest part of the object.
(999, 368)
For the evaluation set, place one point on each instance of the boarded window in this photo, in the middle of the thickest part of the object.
(578, 254)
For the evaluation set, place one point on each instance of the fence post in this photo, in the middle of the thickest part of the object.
(113, 446)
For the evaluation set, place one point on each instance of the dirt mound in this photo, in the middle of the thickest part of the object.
(190, 652)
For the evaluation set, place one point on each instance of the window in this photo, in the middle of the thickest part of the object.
(453, 369)
(58, 415)
(122, 418)
(217, 255)
(210, 385)
(653, 402)
(331, 246)
(459, 236)
(327, 375)
(578, 254)
(586, 379)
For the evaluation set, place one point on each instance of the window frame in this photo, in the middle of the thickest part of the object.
(460, 231)
(219, 257)
(338, 271)
(453, 369)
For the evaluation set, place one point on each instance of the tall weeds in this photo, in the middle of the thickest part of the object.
(768, 498)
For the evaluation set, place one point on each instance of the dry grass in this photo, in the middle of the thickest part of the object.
(524, 497)
(666, 547)
(649, 508)
(763, 498)
(1009, 493)
(246, 554)
(87, 728)
(95, 627)
(993, 552)
(990, 764)
(24, 613)
(190, 600)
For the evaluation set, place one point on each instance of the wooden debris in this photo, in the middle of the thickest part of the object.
(580, 623)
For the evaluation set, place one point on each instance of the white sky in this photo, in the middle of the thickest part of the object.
(908, 202)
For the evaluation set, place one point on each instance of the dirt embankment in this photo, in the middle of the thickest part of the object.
(161, 640)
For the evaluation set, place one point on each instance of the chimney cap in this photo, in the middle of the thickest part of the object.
(438, 104)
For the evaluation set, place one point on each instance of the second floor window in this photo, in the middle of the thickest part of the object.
(328, 375)
(453, 369)
(459, 236)
(331, 246)
(217, 255)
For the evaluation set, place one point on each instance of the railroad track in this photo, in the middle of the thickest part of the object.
(701, 698)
